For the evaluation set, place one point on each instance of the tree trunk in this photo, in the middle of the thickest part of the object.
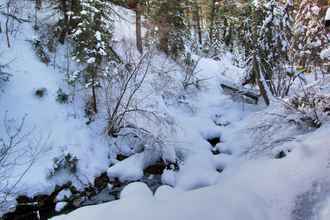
(164, 35)
(163, 42)
(94, 104)
(263, 91)
(94, 100)
(213, 8)
(75, 8)
(64, 8)
(38, 4)
(7, 33)
(139, 27)
(198, 22)
(7, 24)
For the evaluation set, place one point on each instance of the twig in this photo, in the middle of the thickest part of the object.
(19, 20)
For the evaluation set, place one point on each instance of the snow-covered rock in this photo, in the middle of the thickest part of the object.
(60, 206)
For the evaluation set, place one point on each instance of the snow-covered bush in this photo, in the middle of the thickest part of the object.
(40, 92)
(67, 161)
(62, 97)
(40, 51)
(314, 107)
(269, 43)
(310, 35)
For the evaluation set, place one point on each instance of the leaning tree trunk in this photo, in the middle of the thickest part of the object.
(263, 91)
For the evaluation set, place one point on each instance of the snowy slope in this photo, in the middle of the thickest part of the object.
(55, 128)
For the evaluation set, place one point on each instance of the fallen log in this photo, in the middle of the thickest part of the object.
(249, 96)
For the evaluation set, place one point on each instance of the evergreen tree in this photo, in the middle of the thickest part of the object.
(309, 35)
(168, 15)
(92, 39)
(268, 42)
(69, 11)
(275, 41)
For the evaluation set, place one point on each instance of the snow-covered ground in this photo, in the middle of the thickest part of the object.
(244, 181)
(247, 189)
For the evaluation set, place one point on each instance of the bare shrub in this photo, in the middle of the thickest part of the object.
(313, 107)
(18, 152)
(191, 71)
(121, 84)
(66, 161)
(11, 12)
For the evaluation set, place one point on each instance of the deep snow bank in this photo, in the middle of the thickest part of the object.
(208, 203)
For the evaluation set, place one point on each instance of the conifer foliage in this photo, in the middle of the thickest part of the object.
(270, 41)
(92, 39)
(168, 16)
(309, 35)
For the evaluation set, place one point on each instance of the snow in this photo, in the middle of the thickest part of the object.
(244, 181)
(315, 9)
(64, 194)
(166, 192)
(325, 211)
(91, 60)
(327, 15)
(249, 189)
(137, 189)
(196, 205)
(132, 168)
(325, 53)
(60, 206)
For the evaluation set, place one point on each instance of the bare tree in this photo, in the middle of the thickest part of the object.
(191, 72)
(11, 12)
(121, 88)
(18, 152)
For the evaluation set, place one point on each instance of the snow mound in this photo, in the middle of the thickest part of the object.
(325, 210)
(210, 203)
(137, 189)
(166, 192)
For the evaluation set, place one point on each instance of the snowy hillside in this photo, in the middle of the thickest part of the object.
(188, 148)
